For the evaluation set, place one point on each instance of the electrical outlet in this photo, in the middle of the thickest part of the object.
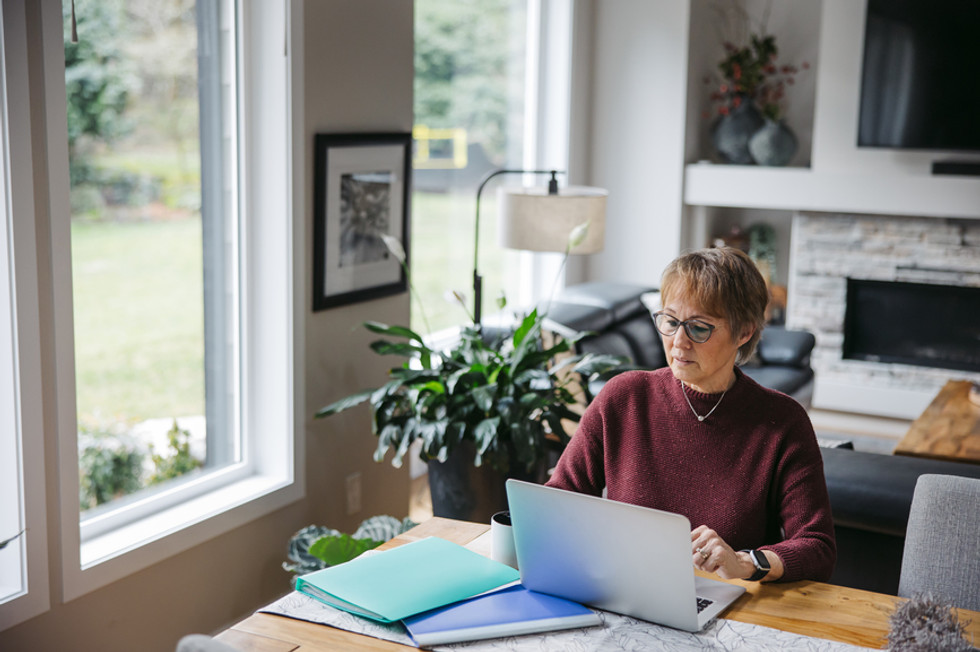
(354, 493)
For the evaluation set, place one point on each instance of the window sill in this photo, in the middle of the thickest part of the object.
(125, 550)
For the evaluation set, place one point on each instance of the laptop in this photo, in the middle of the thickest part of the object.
(623, 558)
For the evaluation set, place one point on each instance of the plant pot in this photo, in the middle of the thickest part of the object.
(466, 492)
(774, 144)
(731, 133)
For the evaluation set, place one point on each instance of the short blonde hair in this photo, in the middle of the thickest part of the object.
(726, 284)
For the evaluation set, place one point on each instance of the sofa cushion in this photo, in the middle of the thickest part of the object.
(787, 380)
(619, 322)
(873, 492)
(779, 346)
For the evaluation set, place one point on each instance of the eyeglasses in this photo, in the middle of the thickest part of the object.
(697, 330)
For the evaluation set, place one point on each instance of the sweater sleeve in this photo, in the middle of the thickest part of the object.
(808, 549)
(581, 466)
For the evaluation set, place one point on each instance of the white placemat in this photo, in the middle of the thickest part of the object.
(617, 633)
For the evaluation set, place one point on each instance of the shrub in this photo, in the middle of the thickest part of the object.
(108, 468)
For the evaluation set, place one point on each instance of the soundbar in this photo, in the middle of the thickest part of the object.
(959, 168)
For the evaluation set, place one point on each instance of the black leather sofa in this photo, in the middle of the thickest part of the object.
(620, 324)
(870, 493)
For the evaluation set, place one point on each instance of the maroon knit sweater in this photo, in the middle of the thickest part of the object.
(751, 471)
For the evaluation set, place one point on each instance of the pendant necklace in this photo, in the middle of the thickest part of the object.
(700, 418)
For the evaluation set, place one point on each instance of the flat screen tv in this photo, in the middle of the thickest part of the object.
(919, 82)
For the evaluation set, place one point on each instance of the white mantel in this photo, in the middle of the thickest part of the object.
(793, 189)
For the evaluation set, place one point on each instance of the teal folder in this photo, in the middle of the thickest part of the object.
(394, 584)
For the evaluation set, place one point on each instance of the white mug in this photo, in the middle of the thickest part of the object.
(502, 539)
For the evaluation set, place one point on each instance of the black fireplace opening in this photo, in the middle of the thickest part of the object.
(913, 323)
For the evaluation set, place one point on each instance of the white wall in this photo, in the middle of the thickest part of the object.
(835, 130)
(358, 76)
(638, 111)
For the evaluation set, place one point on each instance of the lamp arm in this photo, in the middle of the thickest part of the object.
(477, 279)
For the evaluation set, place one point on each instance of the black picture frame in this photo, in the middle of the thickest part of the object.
(362, 187)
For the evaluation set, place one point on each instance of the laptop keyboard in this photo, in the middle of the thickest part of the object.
(703, 603)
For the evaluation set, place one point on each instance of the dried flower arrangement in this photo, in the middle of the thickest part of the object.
(750, 71)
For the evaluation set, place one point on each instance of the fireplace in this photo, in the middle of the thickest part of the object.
(893, 302)
(912, 323)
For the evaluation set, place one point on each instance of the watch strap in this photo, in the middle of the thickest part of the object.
(762, 566)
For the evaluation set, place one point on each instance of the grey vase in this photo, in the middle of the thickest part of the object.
(731, 133)
(774, 144)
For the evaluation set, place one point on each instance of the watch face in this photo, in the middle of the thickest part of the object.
(760, 559)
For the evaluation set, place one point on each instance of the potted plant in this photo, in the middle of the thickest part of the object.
(498, 402)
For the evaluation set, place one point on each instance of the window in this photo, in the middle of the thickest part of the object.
(182, 306)
(23, 560)
(153, 244)
(469, 114)
(492, 84)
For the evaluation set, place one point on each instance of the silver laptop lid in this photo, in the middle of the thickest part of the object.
(615, 556)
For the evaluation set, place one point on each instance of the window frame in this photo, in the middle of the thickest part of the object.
(547, 127)
(271, 317)
(20, 313)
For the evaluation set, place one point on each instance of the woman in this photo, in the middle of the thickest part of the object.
(702, 439)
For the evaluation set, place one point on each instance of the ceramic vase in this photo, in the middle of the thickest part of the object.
(773, 144)
(731, 133)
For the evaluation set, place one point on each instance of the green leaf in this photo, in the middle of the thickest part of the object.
(345, 403)
(485, 433)
(483, 396)
(592, 364)
(527, 325)
(340, 548)
(536, 376)
(394, 331)
(386, 347)
(5, 543)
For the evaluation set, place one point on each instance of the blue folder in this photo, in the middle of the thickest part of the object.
(510, 611)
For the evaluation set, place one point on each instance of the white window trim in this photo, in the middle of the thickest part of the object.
(547, 125)
(273, 436)
(18, 241)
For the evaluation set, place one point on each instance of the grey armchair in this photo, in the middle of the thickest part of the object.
(941, 554)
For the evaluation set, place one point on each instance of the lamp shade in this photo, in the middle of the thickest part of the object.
(532, 219)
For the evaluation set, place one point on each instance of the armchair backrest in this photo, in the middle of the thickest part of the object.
(941, 541)
(615, 314)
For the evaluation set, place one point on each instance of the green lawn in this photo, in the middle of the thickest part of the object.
(442, 257)
(139, 320)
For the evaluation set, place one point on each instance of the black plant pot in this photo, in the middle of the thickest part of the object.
(462, 491)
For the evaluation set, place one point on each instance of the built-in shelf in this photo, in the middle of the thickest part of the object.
(743, 186)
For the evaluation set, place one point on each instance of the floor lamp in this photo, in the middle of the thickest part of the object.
(541, 219)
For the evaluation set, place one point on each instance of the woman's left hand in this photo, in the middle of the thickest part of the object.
(711, 554)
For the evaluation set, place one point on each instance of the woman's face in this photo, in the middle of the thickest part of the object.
(707, 367)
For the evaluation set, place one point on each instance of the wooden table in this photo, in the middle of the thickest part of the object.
(949, 429)
(808, 608)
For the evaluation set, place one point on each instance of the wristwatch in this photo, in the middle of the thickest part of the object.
(761, 562)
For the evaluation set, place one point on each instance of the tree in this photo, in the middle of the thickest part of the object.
(97, 82)
(464, 64)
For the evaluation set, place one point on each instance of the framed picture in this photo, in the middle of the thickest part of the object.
(362, 190)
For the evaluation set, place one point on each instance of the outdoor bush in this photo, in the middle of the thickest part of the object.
(87, 201)
(179, 462)
(108, 469)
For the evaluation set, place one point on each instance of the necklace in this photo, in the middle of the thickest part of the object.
(700, 418)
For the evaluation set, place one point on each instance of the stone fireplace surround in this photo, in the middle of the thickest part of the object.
(826, 249)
